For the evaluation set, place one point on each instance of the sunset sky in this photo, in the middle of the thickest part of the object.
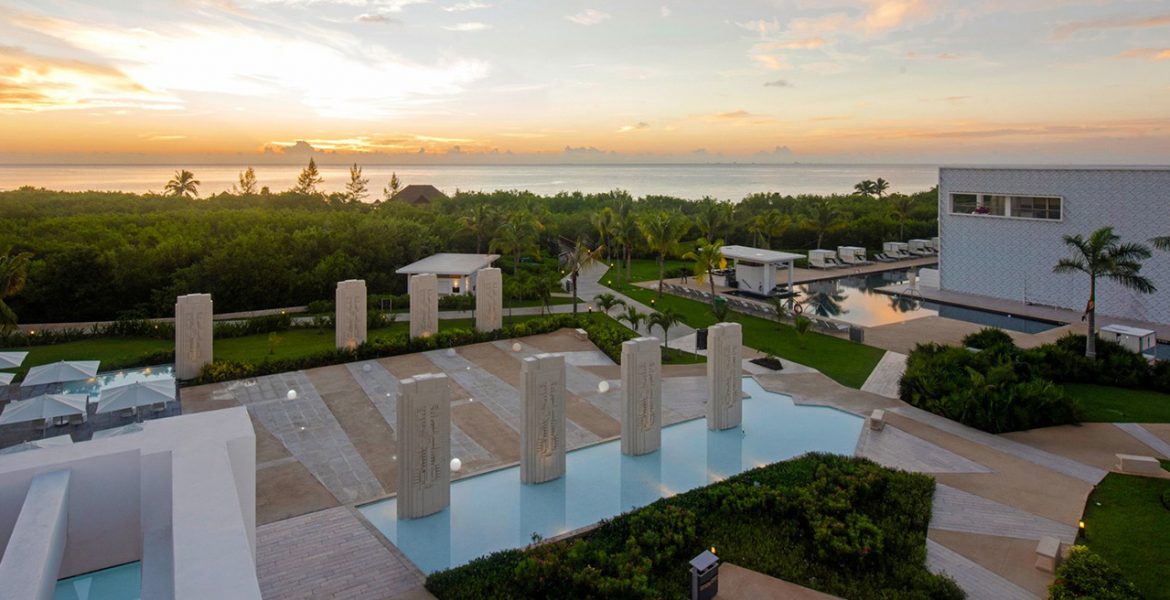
(808, 80)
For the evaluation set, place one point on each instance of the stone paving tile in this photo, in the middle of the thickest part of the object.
(1060, 464)
(894, 448)
(884, 378)
(956, 510)
(501, 398)
(978, 582)
(310, 432)
(329, 554)
(1146, 437)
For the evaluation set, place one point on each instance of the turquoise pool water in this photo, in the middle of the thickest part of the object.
(123, 582)
(494, 511)
(108, 379)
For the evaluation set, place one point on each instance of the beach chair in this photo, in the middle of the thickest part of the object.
(880, 257)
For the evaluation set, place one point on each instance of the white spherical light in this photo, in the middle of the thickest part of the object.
(366, 368)
(603, 387)
(451, 352)
(456, 464)
(517, 347)
(292, 394)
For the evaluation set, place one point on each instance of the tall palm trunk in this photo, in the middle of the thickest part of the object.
(711, 280)
(1091, 338)
(661, 273)
(573, 278)
(629, 263)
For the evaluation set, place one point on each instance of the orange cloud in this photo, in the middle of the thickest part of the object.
(1139, 23)
(30, 82)
(1147, 53)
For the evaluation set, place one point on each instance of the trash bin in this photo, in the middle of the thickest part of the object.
(856, 334)
(704, 576)
(701, 339)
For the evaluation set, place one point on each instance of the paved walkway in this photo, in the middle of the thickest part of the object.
(1146, 437)
(884, 379)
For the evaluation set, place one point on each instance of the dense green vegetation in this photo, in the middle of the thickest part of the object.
(1127, 522)
(1085, 574)
(1110, 404)
(846, 362)
(97, 255)
(845, 526)
(994, 386)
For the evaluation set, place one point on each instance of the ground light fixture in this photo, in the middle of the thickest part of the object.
(456, 465)
(602, 387)
(291, 395)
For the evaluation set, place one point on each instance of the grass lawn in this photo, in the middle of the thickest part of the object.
(844, 361)
(642, 269)
(112, 351)
(1127, 524)
(1105, 404)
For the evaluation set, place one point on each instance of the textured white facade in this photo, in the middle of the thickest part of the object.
(193, 334)
(350, 322)
(424, 305)
(1012, 258)
(641, 396)
(724, 376)
(489, 299)
(424, 445)
(542, 434)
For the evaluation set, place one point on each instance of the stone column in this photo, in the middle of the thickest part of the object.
(489, 299)
(641, 396)
(350, 321)
(724, 376)
(424, 445)
(424, 305)
(193, 342)
(542, 434)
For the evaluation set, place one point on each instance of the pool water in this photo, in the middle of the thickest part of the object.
(856, 300)
(494, 511)
(123, 582)
(94, 385)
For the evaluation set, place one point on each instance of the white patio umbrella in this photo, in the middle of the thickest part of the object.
(139, 393)
(116, 431)
(6, 378)
(59, 440)
(11, 360)
(64, 370)
(46, 406)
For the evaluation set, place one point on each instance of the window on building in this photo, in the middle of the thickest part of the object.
(1032, 207)
(964, 203)
(995, 205)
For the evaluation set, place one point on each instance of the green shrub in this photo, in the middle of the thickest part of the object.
(1085, 574)
(317, 307)
(988, 337)
(841, 525)
(253, 326)
(457, 302)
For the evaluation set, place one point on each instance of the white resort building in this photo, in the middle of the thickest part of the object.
(455, 272)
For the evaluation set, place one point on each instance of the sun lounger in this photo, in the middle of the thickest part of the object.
(880, 257)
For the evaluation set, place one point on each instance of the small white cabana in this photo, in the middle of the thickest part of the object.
(822, 259)
(11, 360)
(852, 255)
(61, 371)
(921, 247)
(756, 268)
(896, 249)
(1133, 339)
(455, 272)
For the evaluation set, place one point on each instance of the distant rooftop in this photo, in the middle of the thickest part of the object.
(419, 194)
(758, 255)
(449, 264)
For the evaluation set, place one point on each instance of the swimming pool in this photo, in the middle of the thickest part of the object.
(108, 379)
(123, 582)
(494, 511)
(856, 300)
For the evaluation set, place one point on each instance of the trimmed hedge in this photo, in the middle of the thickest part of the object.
(1085, 574)
(605, 333)
(845, 526)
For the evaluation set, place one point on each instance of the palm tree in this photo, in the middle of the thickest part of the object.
(514, 236)
(1102, 255)
(801, 324)
(880, 186)
(707, 259)
(632, 317)
(576, 258)
(713, 217)
(901, 207)
(13, 275)
(541, 287)
(607, 302)
(865, 188)
(664, 320)
(625, 231)
(482, 219)
(824, 218)
(603, 222)
(662, 231)
(773, 224)
(1161, 243)
(183, 184)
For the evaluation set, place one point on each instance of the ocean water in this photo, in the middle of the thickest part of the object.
(724, 181)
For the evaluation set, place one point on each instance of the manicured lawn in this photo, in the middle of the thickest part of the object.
(1127, 524)
(1104, 404)
(112, 351)
(844, 361)
(642, 269)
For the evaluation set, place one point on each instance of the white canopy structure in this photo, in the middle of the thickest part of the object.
(46, 406)
(139, 393)
(11, 360)
(455, 272)
(755, 268)
(116, 431)
(57, 440)
(60, 371)
(6, 378)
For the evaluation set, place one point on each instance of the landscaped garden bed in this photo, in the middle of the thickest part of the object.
(844, 526)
